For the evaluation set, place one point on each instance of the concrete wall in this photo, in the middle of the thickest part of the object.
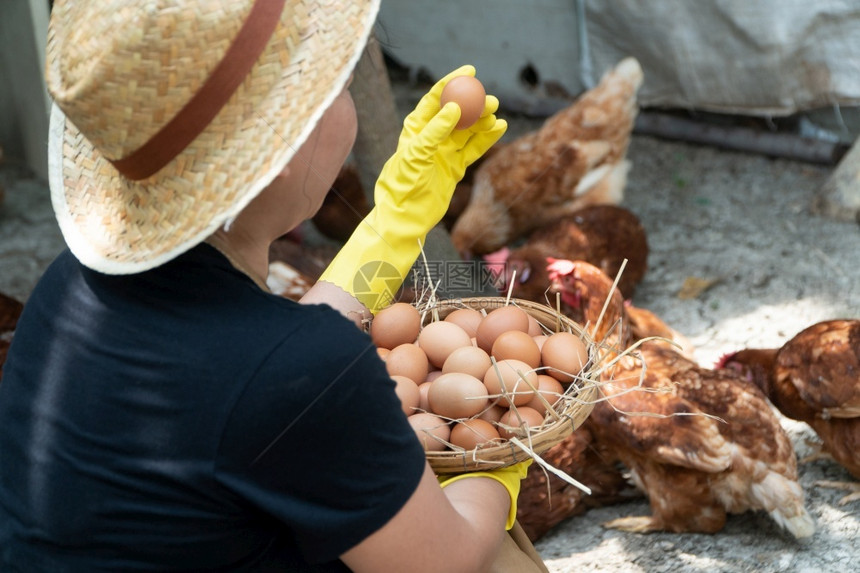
(24, 102)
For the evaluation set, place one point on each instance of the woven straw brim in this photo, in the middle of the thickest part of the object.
(118, 226)
(572, 409)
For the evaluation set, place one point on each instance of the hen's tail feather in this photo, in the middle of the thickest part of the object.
(782, 498)
(630, 69)
(800, 526)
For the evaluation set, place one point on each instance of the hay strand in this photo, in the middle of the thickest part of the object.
(548, 467)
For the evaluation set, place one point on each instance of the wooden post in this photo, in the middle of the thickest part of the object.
(379, 122)
(24, 101)
(839, 197)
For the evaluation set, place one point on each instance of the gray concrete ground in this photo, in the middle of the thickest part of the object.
(739, 220)
(29, 237)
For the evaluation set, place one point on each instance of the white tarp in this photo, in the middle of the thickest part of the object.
(771, 57)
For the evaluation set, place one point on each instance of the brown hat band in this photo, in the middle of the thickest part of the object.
(195, 115)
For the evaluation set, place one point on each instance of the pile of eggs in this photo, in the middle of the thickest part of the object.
(475, 379)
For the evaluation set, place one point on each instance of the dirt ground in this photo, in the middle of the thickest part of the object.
(742, 221)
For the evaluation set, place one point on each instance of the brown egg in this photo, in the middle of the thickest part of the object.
(498, 321)
(471, 434)
(512, 386)
(395, 325)
(407, 360)
(383, 353)
(564, 354)
(520, 422)
(423, 400)
(492, 413)
(466, 318)
(534, 327)
(468, 93)
(407, 390)
(540, 339)
(439, 339)
(457, 395)
(432, 375)
(432, 431)
(517, 345)
(468, 360)
(551, 390)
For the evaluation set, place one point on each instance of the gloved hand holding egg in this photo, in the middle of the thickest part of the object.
(412, 193)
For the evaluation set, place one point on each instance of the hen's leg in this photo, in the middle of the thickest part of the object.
(637, 524)
(818, 453)
(709, 521)
(680, 501)
(851, 486)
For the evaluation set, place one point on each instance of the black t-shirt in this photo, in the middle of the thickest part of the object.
(183, 419)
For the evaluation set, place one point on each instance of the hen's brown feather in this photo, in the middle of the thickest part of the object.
(344, 206)
(643, 323)
(696, 468)
(814, 378)
(602, 235)
(591, 288)
(823, 364)
(541, 507)
(10, 310)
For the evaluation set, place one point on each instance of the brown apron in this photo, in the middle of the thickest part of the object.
(517, 554)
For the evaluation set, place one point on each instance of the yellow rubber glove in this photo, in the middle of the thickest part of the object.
(412, 195)
(509, 476)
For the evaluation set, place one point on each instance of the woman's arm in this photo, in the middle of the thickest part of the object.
(327, 293)
(460, 528)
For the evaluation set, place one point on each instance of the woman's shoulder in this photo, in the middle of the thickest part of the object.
(323, 340)
(324, 375)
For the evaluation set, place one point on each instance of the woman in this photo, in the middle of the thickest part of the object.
(160, 410)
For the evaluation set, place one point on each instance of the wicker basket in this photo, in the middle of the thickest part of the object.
(572, 409)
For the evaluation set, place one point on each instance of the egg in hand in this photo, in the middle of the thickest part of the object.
(468, 93)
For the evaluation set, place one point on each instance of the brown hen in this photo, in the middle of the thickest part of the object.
(540, 507)
(344, 206)
(643, 323)
(815, 378)
(700, 443)
(10, 310)
(294, 267)
(583, 290)
(577, 158)
(602, 235)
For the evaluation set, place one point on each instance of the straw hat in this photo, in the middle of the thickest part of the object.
(171, 116)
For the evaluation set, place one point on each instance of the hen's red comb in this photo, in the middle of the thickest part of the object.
(723, 360)
(559, 267)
